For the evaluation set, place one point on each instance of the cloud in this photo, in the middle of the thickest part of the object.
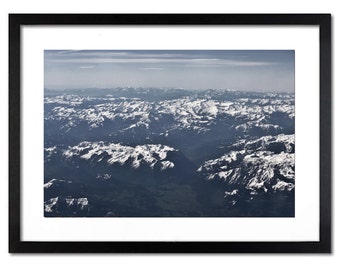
(87, 67)
(82, 53)
(119, 54)
(152, 68)
(192, 62)
(190, 59)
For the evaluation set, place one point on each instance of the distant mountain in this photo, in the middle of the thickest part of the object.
(72, 119)
(162, 93)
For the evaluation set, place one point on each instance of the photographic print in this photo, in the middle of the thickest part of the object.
(169, 133)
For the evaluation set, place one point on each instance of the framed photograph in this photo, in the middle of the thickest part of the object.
(170, 133)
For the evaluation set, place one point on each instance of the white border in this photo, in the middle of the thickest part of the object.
(304, 227)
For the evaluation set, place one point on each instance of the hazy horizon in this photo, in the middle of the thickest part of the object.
(243, 70)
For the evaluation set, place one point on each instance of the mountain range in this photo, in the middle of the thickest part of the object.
(168, 152)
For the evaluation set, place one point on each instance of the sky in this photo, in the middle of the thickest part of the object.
(244, 70)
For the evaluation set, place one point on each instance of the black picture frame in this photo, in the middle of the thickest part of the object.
(16, 245)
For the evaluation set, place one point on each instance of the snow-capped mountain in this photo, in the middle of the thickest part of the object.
(264, 165)
(112, 116)
(151, 155)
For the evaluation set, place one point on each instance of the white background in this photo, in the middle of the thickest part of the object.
(160, 261)
(304, 227)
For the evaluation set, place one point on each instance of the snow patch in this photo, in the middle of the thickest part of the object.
(282, 186)
(50, 204)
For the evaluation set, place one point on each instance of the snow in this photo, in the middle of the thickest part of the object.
(53, 182)
(230, 193)
(167, 164)
(210, 108)
(49, 205)
(82, 202)
(224, 174)
(50, 183)
(50, 149)
(255, 184)
(149, 154)
(69, 201)
(281, 186)
(255, 165)
(72, 100)
(189, 112)
(262, 143)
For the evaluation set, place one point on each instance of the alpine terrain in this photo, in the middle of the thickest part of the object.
(165, 152)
